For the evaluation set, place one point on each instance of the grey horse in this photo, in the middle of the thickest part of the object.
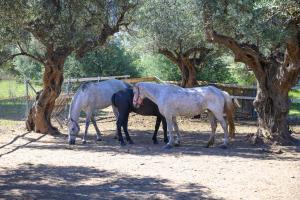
(89, 97)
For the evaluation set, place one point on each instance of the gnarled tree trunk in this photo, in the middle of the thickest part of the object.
(187, 68)
(275, 76)
(39, 117)
(191, 78)
(272, 106)
(188, 73)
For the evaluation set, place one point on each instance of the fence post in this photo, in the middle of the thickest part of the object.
(27, 97)
(68, 86)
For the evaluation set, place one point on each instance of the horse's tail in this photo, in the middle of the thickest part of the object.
(229, 111)
(113, 100)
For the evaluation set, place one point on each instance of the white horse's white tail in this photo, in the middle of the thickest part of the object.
(229, 111)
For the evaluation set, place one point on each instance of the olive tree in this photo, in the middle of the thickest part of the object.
(171, 28)
(264, 35)
(61, 27)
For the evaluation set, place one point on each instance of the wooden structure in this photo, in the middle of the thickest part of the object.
(245, 96)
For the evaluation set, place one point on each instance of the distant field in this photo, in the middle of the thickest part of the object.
(13, 89)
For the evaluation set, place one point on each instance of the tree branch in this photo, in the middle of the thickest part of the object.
(24, 53)
(170, 55)
(189, 52)
(290, 69)
(21, 53)
(243, 52)
(106, 32)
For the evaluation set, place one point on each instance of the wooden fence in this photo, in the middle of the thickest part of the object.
(244, 95)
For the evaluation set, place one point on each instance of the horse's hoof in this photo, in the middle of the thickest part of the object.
(223, 146)
(166, 141)
(155, 142)
(177, 144)
(130, 142)
(83, 142)
(122, 143)
(207, 145)
(99, 139)
(167, 146)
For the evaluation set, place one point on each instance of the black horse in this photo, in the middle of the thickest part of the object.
(122, 100)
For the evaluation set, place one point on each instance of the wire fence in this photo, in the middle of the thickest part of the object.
(16, 98)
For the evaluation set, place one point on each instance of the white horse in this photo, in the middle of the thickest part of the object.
(88, 98)
(175, 101)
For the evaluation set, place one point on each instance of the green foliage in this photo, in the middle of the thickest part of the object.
(50, 29)
(261, 22)
(167, 24)
(295, 94)
(295, 106)
(111, 60)
(158, 65)
(242, 75)
(215, 70)
(26, 68)
(295, 109)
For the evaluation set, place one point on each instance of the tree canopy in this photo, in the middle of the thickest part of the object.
(60, 28)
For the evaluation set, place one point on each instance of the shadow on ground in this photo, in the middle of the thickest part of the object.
(30, 181)
(13, 109)
(193, 143)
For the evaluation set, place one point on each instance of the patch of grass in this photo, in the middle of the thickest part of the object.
(295, 110)
(8, 122)
(295, 107)
(13, 89)
(294, 94)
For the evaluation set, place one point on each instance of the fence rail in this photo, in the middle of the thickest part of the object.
(241, 94)
(98, 78)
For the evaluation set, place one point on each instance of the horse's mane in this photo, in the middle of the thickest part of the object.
(81, 88)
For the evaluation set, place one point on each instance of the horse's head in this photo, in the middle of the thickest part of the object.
(73, 131)
(138, 97)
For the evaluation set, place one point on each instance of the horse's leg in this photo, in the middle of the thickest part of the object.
(125, 125)
(220, 118)
(119, 123)
(116, 113)
(87, 123)
(176, 129)
(96, 128)
(157, 124)
(164, 123)
(170, 132)
(213, 124)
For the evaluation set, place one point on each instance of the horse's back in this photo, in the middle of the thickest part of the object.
(191, 101)
(98, 94)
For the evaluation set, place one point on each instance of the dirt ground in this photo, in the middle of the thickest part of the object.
(35, 166)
